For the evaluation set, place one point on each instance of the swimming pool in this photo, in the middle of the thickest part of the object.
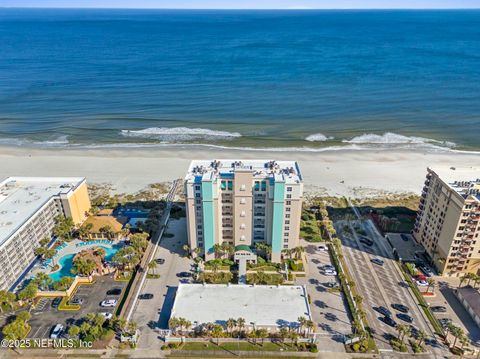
(66, 262)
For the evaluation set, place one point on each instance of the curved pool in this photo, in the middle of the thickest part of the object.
(66, 262)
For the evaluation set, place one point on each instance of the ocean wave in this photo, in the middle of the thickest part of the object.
(176, 134)
(318, 137)
(60, 141)
(390, 138)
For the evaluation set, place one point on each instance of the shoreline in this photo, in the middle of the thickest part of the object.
(368, 172)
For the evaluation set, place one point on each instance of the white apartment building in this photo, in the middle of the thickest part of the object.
(28, 207)
(448, 219)
(243, 202)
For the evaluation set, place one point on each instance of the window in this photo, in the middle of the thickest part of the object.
(243, 201)
(287, 222)
(287, 209)
(288, 203)
(242, 226)
(289, 189)
(287, 215)
(197, 195)
(230, 185)
(289, 196)
(242, 187)
(287, 228)
(242, 214)
(197, 188)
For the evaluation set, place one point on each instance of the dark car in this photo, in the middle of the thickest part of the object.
(404, 237)
(366, 241)
(145, 296)
(114, 291)
(400, 307)
(405, 317)
(383, 310)
(439, 309)
(56, 302)
(445, 322)
(389, 321)
(377, 261)
(414, 330)
(76, 301)
(160, 260)
(184, 274)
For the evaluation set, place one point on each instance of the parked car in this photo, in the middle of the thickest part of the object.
(184, 274)
(114, 291)
(377, 261)
(56, 331)
(427, 271)
(422, 283)
(328, 267)
(56, 302)
(322, 248)
(414, 330)
(76, 301)
(389, 321)
(438, 309)
(160, 260)
(400, 307)
(332, 285)
(330, 272)
(405, 317)
(145, 296)
(405, 237)
(109, 303)
(445, 322)
(366, 241)
(383, 310)
(106, 315)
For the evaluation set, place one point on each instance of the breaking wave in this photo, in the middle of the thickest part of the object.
(318, 137)
(393, 139)
(176, 134)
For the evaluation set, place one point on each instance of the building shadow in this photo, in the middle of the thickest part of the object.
(167, 307)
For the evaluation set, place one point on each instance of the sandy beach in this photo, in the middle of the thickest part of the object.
(364, 173)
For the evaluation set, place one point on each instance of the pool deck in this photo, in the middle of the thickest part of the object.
(73, 247)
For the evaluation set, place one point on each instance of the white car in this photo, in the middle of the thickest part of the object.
(322, 248)
(107, 315)
(109, 303)
(422, 283)
(330, 272)
(57, 331)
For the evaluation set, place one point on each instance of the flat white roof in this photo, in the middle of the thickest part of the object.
(263, 305)
(22, 197)
(287, 171)
(464, 180)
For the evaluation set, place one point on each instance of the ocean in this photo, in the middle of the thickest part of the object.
(284, 80)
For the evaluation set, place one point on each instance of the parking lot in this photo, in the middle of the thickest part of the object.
(45, 317)
(328, 308)
(380, 285)
(153, 314)
(444, 296)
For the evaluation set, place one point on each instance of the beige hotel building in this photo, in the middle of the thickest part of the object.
(448, 219)
(243, 202)
(28, 207)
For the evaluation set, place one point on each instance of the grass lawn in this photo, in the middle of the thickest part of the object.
(265, 268)
(244, 346)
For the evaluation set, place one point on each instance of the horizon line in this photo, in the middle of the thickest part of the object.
(235, 9)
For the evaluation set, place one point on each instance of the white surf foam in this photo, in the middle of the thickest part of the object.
(394, 139)
(318, 137)
(175, 134)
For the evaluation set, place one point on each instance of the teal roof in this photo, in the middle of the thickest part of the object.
(243, 247)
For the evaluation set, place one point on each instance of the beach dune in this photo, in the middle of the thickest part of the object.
(341, 172)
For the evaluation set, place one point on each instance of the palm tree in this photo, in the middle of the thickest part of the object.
(402, 331)
(358, 299)
(217, 249)
(283, 333)
(152, 265)
(421, 335)
(241, 323)
(173, 324)
(253, 335)
(301, 321)
(457, 332)
(231, 323)
(463, 341)
(431, 284)
(186, 249)
(310, 325)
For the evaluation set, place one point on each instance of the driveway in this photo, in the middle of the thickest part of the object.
(153, 314)
(329, 310)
